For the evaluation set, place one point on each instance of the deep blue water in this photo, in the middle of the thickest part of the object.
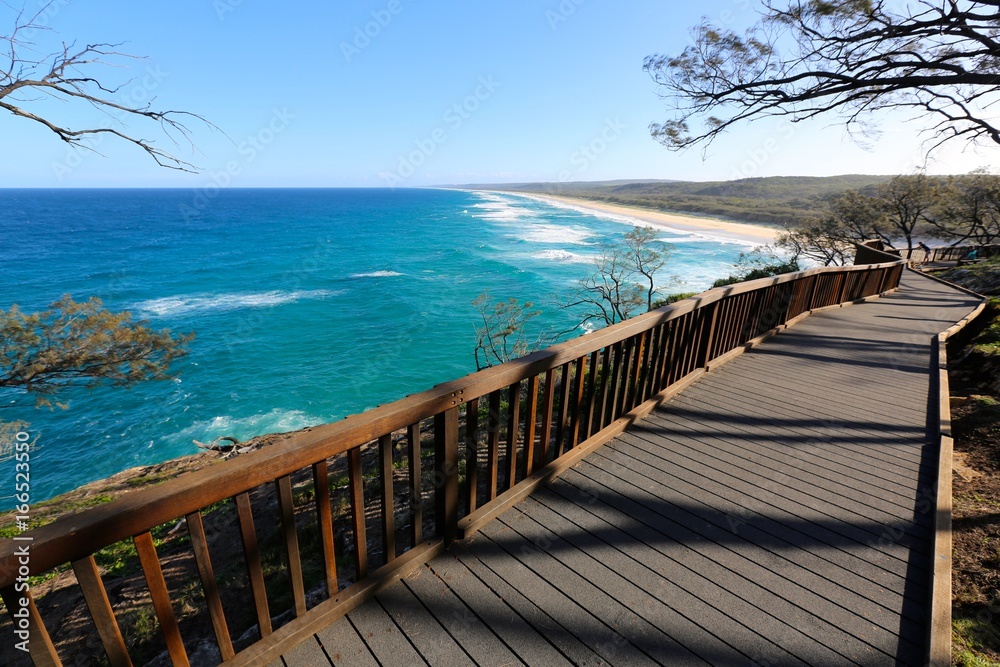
(307, 305)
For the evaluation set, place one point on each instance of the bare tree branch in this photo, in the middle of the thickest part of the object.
(807, 58)
(66, 75)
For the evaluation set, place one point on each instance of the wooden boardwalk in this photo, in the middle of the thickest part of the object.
(777, 512)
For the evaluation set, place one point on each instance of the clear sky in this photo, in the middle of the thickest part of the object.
(414, 92)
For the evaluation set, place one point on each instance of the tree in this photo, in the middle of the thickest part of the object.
(908, 203)
(904, 207)
(623, 280)
(501, 337)
(648, 256)
(819, 241)
(970, 209)
(68, 74)
(807, 58)
(855, 218)
(80, 344)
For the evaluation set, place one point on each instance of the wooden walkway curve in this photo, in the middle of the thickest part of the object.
(777, 512)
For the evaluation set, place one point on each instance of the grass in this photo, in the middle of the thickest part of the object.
(972, 635)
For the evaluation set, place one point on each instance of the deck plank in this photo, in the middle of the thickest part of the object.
(386, 641)
(495, 609)
(309, 653)
(477, 637)
(344, 646)
(434, 644)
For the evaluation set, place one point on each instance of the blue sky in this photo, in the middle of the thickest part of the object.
(412, 93)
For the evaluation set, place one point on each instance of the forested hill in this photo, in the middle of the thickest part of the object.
(778, 200)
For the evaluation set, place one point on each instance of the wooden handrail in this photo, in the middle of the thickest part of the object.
(585, 384)
(957, 252)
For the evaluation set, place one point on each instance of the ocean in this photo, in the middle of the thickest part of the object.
(307, 305)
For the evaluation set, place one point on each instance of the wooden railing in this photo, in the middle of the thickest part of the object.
(956, 253)
(384, 491)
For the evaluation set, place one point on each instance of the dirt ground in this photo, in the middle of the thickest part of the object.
(975, 389)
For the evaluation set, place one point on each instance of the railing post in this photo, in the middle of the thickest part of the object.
(446, 473)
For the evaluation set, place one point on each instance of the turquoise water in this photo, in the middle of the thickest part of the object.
(307, 305)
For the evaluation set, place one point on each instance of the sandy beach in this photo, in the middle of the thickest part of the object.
(737, 231)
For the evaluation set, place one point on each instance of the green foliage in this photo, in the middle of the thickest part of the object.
(982, 277)
(122, 557)
(80, 344)
(758, 263)
(672, 298)
(501, 335)
(898, 211)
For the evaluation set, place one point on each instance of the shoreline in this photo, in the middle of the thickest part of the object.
(677, 222)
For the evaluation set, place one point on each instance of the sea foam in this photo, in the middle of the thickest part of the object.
(276, 420)
(561, 256)
(196, 303)
(376, 274)
(555, 234)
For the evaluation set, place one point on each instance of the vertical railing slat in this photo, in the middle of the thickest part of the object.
(324, 521)
(562, 423)
(691, 347)
(708, 335)
(574, 429)
(614, 381)
(89, 578)
(493, 444)
(641, 348)
(649, 388)
(547, 402)
(588, 420)
(150, 563)
(663, 369)
(531, 426)
(472, 453)
(513, 417)
(417, 481)
(203, 559)
(621, 386)
(388, 509)
(291, 535)
(602, 393)
(446, 471)
(40, 647)
(251, 552)
(355, 478)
